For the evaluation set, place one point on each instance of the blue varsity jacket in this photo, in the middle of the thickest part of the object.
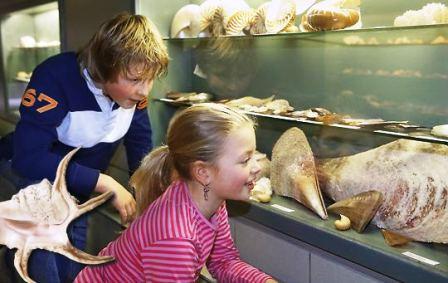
(60, 112)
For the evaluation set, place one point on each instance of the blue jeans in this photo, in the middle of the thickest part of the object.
(45, 266)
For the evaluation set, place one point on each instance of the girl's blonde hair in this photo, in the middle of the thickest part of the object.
(195, 133)
(121, 43)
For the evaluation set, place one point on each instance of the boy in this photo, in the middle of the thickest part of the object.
(93, 99)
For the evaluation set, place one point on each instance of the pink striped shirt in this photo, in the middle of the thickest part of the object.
(170, 242)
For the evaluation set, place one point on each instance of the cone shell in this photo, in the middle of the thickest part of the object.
(279, 15)
(186, 22)
(293, 171)
(360, 209)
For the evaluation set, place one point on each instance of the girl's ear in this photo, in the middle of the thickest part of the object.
(201, 172)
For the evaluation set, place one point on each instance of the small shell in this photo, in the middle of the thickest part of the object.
(240, 22)
(440, 130)
(394, 239)
(360, 208)
(279, 15)
(342, 224)
(186, 22)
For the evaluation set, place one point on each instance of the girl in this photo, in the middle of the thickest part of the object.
(209, 157)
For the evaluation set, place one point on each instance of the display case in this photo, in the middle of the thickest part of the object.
(28, 36)
(397, 74)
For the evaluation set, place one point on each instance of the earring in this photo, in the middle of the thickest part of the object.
(206, 190)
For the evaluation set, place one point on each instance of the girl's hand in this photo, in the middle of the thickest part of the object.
(123, 201)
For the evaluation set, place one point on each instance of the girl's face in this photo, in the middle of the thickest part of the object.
(128, 90)
(236, 169)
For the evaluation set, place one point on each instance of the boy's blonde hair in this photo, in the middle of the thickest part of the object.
(121, 43)
(196, 133)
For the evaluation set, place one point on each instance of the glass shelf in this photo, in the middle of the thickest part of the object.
(378, 36)
(422, 134)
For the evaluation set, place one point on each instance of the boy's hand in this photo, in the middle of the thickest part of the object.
(123, 201)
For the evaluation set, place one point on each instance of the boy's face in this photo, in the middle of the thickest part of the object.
(128, 89)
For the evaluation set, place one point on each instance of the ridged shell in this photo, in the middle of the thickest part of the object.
(240, 22)
(212, 17)
(186, 22)
(231, 7)
(279, 15)
(330, 15)
(258, 25)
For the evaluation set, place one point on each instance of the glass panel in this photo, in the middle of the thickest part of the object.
(29, 36)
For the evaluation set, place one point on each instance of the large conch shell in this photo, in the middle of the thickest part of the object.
(37, 217)
(331, 15)
(293, 171)
(186, 22)
(360, 209)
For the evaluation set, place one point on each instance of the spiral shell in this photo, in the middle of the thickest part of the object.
(330, 15)
(186, 22)
(212, 18)
(258, 21)
(240, 22)
(280, 14)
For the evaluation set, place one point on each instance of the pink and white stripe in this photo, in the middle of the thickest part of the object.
(171, 242)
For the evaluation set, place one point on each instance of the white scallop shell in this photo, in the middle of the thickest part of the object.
(279, 15)
(186, 22)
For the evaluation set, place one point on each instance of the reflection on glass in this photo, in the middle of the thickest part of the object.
(29, 36)
(228, 66)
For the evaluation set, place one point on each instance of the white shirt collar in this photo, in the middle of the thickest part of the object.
(104, 102)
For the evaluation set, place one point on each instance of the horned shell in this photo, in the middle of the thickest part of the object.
(186, 22)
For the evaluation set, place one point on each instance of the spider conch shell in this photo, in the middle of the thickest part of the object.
(186, 22)
(293, 171)
(37, 217)
(280, 16)
(332, 15)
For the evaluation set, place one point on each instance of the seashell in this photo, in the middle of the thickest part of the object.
(293, 171)
(264, 163)
(440, 130)
(212, 18)
(232, 7)
(258, 21)
(262, 191)
(249, 100)
(360, 208)
(331, 15)
(37, 217)
(186, 22)
(343, 223)
(279, 106)
(279, 15)
(240, 22)
(393, 239)
(303, 5)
